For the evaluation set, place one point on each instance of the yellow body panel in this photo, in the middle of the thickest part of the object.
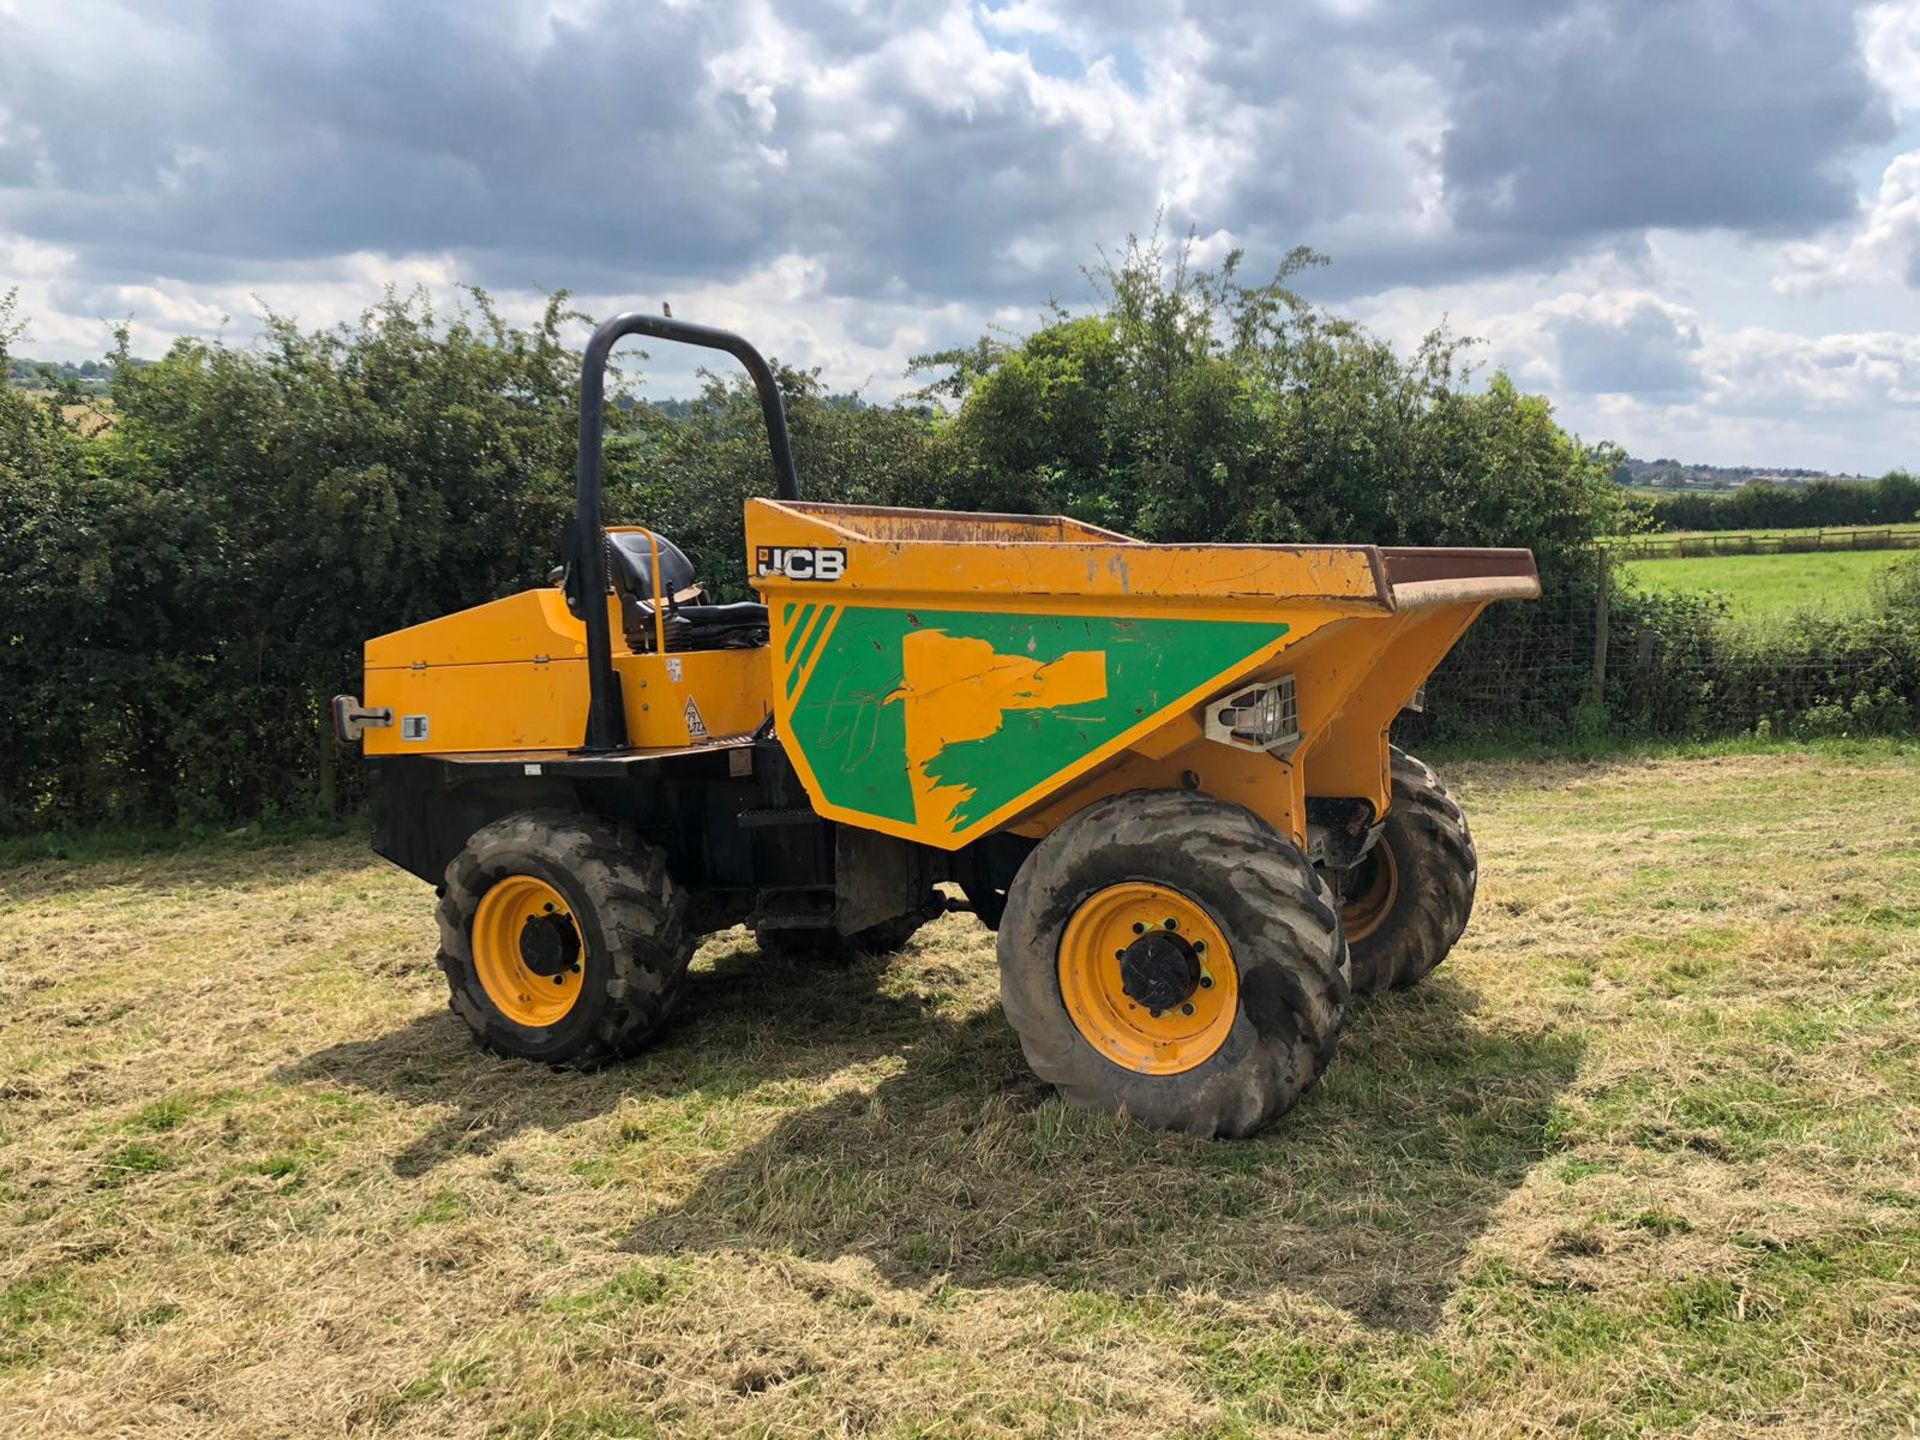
(521, 627)
(511, 676)
(1010, 561)
(727, 690)
(471, 709)
(969, 626)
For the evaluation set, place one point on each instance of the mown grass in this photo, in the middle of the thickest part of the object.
(1758, 587)
(1644, 1159)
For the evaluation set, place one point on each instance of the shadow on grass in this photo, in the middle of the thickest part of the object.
(1368, 1196)
(744, 1021)
(963, 1167)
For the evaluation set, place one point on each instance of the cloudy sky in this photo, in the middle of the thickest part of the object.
(1694, 223)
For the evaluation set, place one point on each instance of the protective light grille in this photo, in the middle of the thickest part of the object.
(1265, 717)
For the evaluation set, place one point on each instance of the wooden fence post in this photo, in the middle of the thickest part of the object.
(1601, 604)
(329, 796)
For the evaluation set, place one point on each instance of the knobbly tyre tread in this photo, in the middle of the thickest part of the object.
(633, 920)
(1439, 873)
(1276, 912)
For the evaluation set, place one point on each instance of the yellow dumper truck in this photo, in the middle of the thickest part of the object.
(1160, 772)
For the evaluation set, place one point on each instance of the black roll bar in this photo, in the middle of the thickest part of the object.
(606, 719)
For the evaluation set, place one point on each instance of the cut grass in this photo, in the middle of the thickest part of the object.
(1639, 1161)
(1759, 587)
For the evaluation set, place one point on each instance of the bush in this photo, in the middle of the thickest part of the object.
(1893, 499)
(187, 586)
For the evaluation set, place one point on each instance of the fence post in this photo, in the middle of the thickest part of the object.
(329, 796)
(1601, 603)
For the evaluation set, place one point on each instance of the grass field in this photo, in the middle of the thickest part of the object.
(1759, 586)
(1644, 1159)
(92, 415)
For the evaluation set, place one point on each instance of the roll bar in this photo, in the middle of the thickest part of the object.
(606, 718)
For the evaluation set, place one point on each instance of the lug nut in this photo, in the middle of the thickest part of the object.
(1139, 928)
(1120, 954)
(1206, 982)
(1172, 924)
(1186, 1009)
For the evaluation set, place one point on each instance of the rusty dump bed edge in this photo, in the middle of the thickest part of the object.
(1419, 578)
(1411, 564)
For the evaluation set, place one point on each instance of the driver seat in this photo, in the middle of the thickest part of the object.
(691, 622)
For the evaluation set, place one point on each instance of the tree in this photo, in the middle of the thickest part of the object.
(1194, 406)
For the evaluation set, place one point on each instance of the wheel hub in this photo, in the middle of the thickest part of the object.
(1147, 977)
(528, 951)
(1159, 970)
(1369, 892)
(549, 945)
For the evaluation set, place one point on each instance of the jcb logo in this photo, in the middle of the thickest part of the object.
(798, 562)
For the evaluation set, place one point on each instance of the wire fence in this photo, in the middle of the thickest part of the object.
(1765, 542)
(1670, 665)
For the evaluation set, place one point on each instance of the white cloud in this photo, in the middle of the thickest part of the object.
(847, 182)
(1885, 245)
(1890, 45)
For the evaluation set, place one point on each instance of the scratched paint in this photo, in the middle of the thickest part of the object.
(939, 718)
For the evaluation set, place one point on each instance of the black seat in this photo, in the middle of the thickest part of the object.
(630, 565)
(692, 625)
(726, 617)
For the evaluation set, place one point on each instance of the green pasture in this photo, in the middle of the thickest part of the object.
(1762, 586)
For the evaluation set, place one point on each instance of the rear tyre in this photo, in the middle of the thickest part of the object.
(1174, 957)
(563, 939)
(1409, 899)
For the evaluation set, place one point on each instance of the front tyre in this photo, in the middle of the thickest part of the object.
(1174, 957)
(562, 938)
(1409, 899)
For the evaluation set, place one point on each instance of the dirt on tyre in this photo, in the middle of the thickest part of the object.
(1174, 957)
(563, 938)
(1409, 899)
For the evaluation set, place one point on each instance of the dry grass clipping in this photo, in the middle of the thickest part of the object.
(1643, 1159)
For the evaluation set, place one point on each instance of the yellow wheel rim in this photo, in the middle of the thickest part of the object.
(1147, 978)
(528, 953)
(1365, 910)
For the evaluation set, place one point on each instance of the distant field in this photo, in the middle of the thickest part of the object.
(1838, 581)
(93, 415)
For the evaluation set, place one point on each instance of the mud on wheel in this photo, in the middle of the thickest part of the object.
(562, 938)
(1174, 957)
(1408, 900)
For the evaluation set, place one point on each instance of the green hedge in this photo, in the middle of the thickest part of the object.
(190, 574)
(1893, 499)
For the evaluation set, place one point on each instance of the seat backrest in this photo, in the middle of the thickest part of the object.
(630, 564)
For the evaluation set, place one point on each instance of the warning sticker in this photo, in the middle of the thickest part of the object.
(696, 727)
